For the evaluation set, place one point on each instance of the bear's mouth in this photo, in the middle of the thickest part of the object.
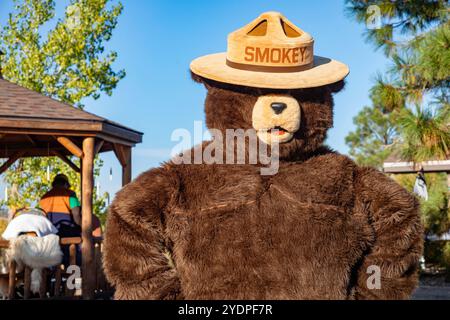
(277, 133)
(277, 130)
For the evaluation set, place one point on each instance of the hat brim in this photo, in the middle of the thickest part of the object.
(324, 71)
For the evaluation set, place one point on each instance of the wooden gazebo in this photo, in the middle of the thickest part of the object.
(33, 125)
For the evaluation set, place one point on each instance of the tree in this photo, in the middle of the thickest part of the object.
(375, 131)
(424, 133)
(415, 35)
(413, 95)
(68, 63)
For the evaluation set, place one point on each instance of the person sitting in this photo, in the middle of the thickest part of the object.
(33, 243)
(62, 207)
(30, 222)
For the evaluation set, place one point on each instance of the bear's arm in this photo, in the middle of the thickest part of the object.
(396, 247)
(137, 259)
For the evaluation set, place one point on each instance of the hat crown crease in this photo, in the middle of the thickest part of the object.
(270, 52)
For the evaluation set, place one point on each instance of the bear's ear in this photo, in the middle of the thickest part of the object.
(200, 79)
(336, 87)
(197, 78)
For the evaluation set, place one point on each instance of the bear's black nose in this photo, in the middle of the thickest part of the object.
(278, 107)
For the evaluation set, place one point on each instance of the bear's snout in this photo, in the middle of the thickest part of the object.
(276, 118)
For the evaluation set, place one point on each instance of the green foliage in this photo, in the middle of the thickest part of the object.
(438, 254)
(416, 37)
(386, 97)
(424, 134)
(445, 260)
(433, 58)
(400, 19)
(414, 96)
(68, 63)
(434, 212)
(374, 132)
(3, 224)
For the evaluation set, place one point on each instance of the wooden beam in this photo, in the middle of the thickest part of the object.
(98, 147)
(126, 170)
(46, 132)
(30, 152)
(69, 145)
(87, 246)
(120, 154)
(77, 240)
(72, 262)
(43, 287)
(72, 133)
(33, 124)
(58, 281)
(29, 138)
(67, 161)
(123, 154)
(81, 182)
(12, 280)
(8, 163)
(27, 283)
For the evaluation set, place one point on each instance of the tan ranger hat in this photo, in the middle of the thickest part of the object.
(270, 52)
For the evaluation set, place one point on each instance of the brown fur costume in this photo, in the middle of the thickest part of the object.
(227, 232)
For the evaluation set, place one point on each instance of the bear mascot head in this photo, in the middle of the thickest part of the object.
(318, 227)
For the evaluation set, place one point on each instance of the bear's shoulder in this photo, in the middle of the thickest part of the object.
(325, 178)
(326, 159)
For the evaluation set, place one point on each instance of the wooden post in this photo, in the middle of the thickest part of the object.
(98, 265)
(126, 169)
(72, 262)
(27, 283)
(12, 280)
(81, 182)
(58, 279)
(88, 262)
(43, 288)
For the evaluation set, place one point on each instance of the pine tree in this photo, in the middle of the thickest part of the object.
(415, 35)
(411, 101)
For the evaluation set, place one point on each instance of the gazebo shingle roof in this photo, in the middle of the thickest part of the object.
(19, 104)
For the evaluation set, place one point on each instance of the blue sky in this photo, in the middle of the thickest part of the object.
(157, 39)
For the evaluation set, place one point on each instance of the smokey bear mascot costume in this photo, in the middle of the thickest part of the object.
(320, 227)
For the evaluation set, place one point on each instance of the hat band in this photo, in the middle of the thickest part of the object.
(251, 67)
